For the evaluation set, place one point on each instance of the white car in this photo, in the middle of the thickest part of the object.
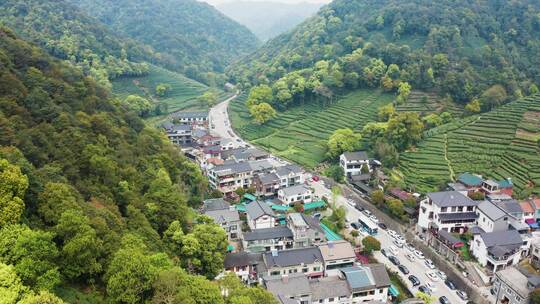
(410, 257)
(374, 219)
(400, 239)
(391, 233)
(429, 264)
(409, 247)
(431, 286)
(432, 276)
(419, 254)
(393, 249)
(398, 244)
(367, 212)
(351, 203)
(441, 275)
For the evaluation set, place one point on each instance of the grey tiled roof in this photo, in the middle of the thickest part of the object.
(450, 199)
(257, 209)
(358, 155)
(201, 114)
(295, 190)
(491, 210)
(268, 233)
(287, 169)
(458, 216)
(260, 165)
(239, 259)
(268, 178)
(232, 168)
(510, 206)
(380, 275)
(215, 204)
(291, 257)
(329, 287)
(501, 238)
(223, 216)
(296, 284)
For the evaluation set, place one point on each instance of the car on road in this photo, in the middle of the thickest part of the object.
(354, 226)
(398, 244)
(419, 254)
(391, 233)
(400, 239)
(367, 213)
(429, 264)
(444, 300)
(383, 226)
(431, 286)
(384, 252)
(374, 219)
(450, 284)
(441, 274)
(462, 295)
(414, 280)
(393, 249)
(351, 203)
(403, 269)
(432, 276)
(410, 257)
(315, 178)
(424, 289)
(359, 208)
(394, 260)
(238, 140)
(409, 247)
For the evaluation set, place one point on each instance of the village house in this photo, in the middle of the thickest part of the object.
(268, 239)
(229, 220)
(471, 182)
(293, 194)
(230, 176)
(497, 250)
(510, 286)
(501, 187)
(245, 154)
(448, 210)
(191, 118)
(266, 184)
(178, 134)
(290, 175)
(307, 261)
(259, 215)
(306, 230)
(353, 162)
(337, 255)
(491, 218)
(535, 253)
(245, 265)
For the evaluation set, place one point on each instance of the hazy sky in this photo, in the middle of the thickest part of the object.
(285, 1)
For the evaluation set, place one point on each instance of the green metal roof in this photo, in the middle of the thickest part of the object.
(283, 208)
(241, 207)
(330, 235)
(469, 179)
(230, 248)
(314, 205)
(505, 183)
(393, 291)
(250, 197)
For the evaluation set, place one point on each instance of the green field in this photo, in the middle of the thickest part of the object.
(429, 102)
(182, 96)
(300, 133)
(499, 144)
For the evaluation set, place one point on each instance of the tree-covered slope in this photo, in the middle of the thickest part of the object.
(67, 33)
(91, 199)
(193, 37)
(460, 48)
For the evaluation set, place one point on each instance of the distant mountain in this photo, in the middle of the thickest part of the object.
(268, 19)
(192, 37)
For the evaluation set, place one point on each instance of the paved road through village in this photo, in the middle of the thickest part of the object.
(220, 126)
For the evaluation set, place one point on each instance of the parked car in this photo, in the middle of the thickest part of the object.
(398, 244)
(444, 300)
(392, 233)
(393, 249)
(383, 226)
(410, 257)
(354, 226)
(450, 284)
(394, 260)
(424, 289)
(432, 276)
(429, 264)
(359, 208)
(462, 295)
(400, 239)
(315, 178)
(367, 213)
(384, 252)
(431, 286)
(409, 247)
(403, 269)
(441, 274)
(419, 254)
(317, 215)
(351, 203)
(374, 219)
(414, 280)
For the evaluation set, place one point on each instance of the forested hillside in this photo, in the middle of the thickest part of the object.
(458, 48)
(192, 37)
(94, 204)
(267, 19)
(67, 33)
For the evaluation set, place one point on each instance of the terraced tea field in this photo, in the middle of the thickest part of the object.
(183, 95)
(428, 102)
(300, 133)
(499, 144)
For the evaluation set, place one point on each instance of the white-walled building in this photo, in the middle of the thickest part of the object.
(510, 286)
(260, 215)
(352, 163)
(290, 175)
(337, 255)
(448, 210)
(491, 218)
(293, 194)
(497, 250)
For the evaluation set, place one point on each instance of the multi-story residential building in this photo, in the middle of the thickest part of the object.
(268, 239)
(510, 286)
(293, 194)
(449, 210)
(290, 175)
(214, 204)
(358, 284)
(192, 118)
(230, 176)
(245, 265)
(178, 134)
(497, 250)
(504, 186)
(245, 154)
(353, 162)
(306, 230)
(471, 182)
(266, 184)
(535, 253)
(337, 255)
(529, 211)
(306, 261)
(259, 215)
(229, 220)
(491, 218)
